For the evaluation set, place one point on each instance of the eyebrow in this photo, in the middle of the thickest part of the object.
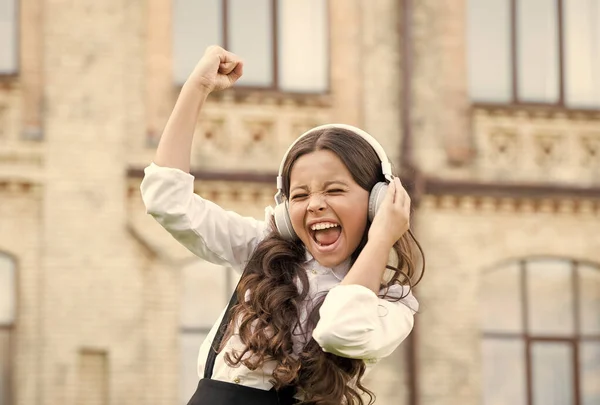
(325, 185)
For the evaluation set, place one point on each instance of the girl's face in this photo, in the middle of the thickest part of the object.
(327, 207)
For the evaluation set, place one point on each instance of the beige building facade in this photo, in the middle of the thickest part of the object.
(490, 116)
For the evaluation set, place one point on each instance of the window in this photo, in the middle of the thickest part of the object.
(206, 290)
(541, 333)
(283, 42)
(8, 36)
(535, 51)
(7, 318)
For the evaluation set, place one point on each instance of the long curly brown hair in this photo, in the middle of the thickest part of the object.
(275, 285)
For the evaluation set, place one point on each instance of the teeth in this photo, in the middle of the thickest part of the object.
(323, 225)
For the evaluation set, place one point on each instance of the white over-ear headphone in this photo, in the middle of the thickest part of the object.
(281, 214)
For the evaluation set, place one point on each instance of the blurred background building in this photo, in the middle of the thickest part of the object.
(488, 108)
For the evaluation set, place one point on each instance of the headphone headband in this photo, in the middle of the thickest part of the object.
(386, 166)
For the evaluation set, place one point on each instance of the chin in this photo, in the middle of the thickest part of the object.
(329, 262)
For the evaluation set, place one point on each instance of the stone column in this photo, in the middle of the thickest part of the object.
(440, 111)
(382, 74)
(345, 60)
(91, 287)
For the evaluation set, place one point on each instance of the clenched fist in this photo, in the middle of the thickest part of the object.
(217, 70)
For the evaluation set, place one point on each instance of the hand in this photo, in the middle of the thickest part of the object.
(216, 70)
(392, 219)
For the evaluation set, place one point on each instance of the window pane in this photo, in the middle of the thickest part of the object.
(552, 368)
(503, 372)
(501, 298)
(8, 36)
(196, 25)
(582, 52)
(250, 33)
(589, 296)
(205, 294)
(537, 50)
(302, 36)
(190, 345)
(589, 360)
(7, 291)
(550, 297)
(489, 56)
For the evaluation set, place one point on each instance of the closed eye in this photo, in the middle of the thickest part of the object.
(298, 196)
(335, 191)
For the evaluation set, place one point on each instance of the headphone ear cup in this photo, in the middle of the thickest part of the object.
(283, 221)
(376, 198)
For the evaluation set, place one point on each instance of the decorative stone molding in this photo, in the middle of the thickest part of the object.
(465, 204)
(590, 150)
(503, 146)
(252, 133)
(549, 149)
(248, 198)
(20, 187)
(537, 145)
(259, 137)
(18, 156)
(211, 133)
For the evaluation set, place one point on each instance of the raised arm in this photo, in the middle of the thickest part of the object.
(217, 70)
(219, 236)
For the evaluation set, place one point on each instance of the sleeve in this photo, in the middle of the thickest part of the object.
(207, 230)
(356, 323)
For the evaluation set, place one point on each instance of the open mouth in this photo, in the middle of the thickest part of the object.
(325, 233)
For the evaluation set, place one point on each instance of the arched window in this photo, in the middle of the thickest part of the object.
(7, 319)
(541, 333)
(206, 290)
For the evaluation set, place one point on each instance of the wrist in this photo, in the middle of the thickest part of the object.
(200, 89)
(381, 240)
(379, 245)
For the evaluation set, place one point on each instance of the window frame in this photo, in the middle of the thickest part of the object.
(529, 339)
(515, 101)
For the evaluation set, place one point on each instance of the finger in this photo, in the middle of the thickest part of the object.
(406, 203)
(237, 72)
(399, 197)
(227, 56)
(226, 67)
(390, 194)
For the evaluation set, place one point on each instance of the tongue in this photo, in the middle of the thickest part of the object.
(328, 236)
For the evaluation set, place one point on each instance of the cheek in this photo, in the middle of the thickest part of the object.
(357, 225)
(356, 219)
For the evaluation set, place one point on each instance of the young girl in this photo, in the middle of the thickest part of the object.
(325, 286)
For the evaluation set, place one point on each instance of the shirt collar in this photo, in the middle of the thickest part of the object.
(338, 271)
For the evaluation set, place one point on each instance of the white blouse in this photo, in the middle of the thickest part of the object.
(354, 322)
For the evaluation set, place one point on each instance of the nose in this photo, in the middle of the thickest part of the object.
(316, 202)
